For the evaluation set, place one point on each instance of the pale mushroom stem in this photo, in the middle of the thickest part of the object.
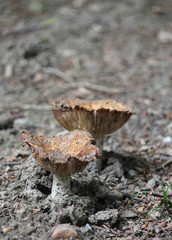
(61, 185)
(99, 144)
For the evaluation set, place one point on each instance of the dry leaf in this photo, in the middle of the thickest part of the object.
(140, 209)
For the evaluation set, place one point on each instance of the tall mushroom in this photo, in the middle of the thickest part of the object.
(62, 155)
(99, 117)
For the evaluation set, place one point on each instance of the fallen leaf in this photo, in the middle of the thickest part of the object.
(140, 209)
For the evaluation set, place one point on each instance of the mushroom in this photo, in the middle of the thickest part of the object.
(62, 156)
(98, 117)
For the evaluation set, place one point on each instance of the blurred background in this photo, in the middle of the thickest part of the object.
(89, 50)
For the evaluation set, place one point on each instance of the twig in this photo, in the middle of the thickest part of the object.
(159, 195)
(68, 86)
(10, 163)
(56, 224)
(162, 157)
(155, 194)
(25, 107)
(59, 74)
(23, 30)
(164, 164)
(97, 227)
(100, 88)
(11, 215)
(57, 90)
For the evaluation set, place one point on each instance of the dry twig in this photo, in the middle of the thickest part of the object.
(164, 164)
(68, 86)
(59, 74)
(56, 224)
(25, 107)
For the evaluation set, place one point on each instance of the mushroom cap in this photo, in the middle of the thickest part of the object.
(63, 155)
(97, 117)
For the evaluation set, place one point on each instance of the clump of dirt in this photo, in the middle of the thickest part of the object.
(94, 201)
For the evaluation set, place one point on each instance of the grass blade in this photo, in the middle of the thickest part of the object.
(153, 210)
(169, 185)
(138, 194)
(48, 21)
(163, 189)
(144, 179)
(166, 200)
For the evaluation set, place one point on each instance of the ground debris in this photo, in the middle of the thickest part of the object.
(26, 230)
(64, 231)
(105, 217)
(128, 214)
(7, 119)
(6, 229)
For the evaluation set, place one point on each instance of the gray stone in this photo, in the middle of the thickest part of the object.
(23, 123)
(110, 216)
(104, 192)
(164, 37)
(157, 229)
(151, 183)
(132, 173)
(121, 186)
(128, 214)
(137, 229)
(27, 230)
(167, 139)
(88, 227)
(115, 169)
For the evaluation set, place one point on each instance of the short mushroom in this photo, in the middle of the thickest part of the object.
(99, 117)
(62, 156)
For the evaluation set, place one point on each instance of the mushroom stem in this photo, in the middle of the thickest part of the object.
(99, 144)
(61, 185)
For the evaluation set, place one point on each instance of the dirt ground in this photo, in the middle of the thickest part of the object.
(87, 49)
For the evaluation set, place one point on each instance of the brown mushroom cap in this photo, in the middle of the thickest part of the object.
(97, 117)
(63, 155)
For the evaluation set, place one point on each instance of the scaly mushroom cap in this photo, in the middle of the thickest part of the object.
(63, 155)
(97, 117)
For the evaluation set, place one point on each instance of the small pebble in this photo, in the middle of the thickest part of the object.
(23, 123)
(35, 7)
(151, 183)
(27, 230)
(64, 231)
(8, 71)
(157, 229)
(128, 214)
(163, 224)
(167, 139)
(169, 152)
(137, 229)
(121, 186)
(150, 228)
(103, 217)
(164, 37)
(132, 173)
(88, 227)
(9, 228)
(156, 215)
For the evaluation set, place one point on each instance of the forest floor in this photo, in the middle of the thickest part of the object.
(88, 50)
